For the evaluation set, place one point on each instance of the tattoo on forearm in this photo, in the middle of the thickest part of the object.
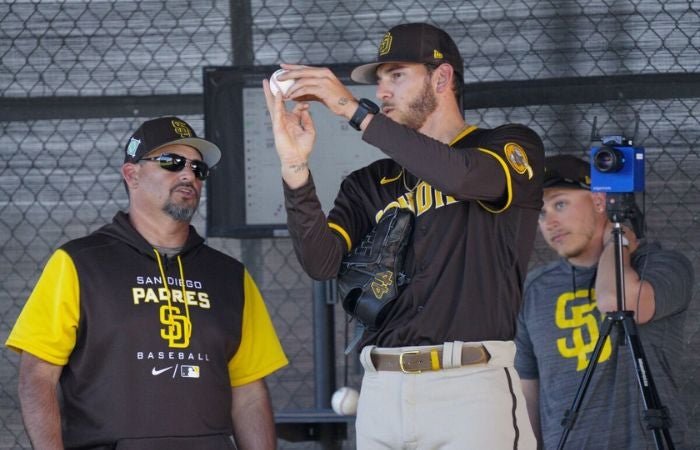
(343, 101)
(296, 168)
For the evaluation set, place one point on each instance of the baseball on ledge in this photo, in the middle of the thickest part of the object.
(344, 401)
(277, 85)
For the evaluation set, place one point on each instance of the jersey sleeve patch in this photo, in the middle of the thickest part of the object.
(517, 158)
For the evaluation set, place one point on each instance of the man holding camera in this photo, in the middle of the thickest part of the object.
(563, 305)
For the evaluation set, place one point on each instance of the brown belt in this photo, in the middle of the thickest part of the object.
(418, 361)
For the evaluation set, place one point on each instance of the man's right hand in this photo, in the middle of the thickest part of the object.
(294, 134)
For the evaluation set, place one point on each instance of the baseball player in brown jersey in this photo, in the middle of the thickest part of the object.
(439, 368)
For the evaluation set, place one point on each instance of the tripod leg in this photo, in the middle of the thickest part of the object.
(570, 415)
(656, 416)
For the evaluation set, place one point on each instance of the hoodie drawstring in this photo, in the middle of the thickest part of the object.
(188, 323)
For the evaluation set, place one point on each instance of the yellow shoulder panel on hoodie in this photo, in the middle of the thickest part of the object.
(48, 324)
(260, 352)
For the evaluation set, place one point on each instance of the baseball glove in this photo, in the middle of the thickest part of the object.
(372, 273)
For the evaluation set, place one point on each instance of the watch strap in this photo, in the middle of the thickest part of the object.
(364, 107)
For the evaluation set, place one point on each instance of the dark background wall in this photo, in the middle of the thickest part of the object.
(76, 77)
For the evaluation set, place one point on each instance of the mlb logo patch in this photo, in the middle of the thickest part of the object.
(132, 147)
(189, 371)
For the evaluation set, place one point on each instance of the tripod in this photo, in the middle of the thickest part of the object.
(655, 415)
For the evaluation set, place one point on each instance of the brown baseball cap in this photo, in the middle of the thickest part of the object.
(163, 131)
(566, 171)
(415, 43)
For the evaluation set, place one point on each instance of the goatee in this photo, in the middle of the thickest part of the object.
(179, 213)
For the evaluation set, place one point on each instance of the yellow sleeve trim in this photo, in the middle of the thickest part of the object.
(509, 183)
(48, 324)
(343, 233)
(260, 352)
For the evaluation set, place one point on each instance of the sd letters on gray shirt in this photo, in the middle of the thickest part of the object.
(558, 328)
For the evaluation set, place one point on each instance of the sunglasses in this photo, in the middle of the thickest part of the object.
(173, 162)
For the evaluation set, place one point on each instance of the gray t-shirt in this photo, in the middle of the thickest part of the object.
(558, 328)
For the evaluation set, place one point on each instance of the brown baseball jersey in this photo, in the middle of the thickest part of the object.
(476, 204)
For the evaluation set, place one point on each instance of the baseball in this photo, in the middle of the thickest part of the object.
(344, 401)
(278, 85)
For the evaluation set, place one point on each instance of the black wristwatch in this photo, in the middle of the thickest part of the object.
(365, 107)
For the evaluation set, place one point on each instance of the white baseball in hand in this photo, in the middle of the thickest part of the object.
(344, 401)
(277, 85)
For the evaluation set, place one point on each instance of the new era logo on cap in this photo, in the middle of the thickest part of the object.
(412, 42)
(157, 133)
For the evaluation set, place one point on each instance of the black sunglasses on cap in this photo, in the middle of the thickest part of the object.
(173, 162)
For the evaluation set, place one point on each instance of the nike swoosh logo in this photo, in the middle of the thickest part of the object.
(155, 372)
(386, 180)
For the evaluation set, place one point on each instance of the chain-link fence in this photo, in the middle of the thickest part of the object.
(76, 77)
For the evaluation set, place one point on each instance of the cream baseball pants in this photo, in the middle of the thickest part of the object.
(460, 407)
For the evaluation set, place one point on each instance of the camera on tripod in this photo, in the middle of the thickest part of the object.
(617, 166)
(617, 169)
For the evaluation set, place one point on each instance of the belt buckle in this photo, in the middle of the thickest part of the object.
(403, 369)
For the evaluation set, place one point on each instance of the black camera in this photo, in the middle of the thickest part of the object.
(617, 166)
